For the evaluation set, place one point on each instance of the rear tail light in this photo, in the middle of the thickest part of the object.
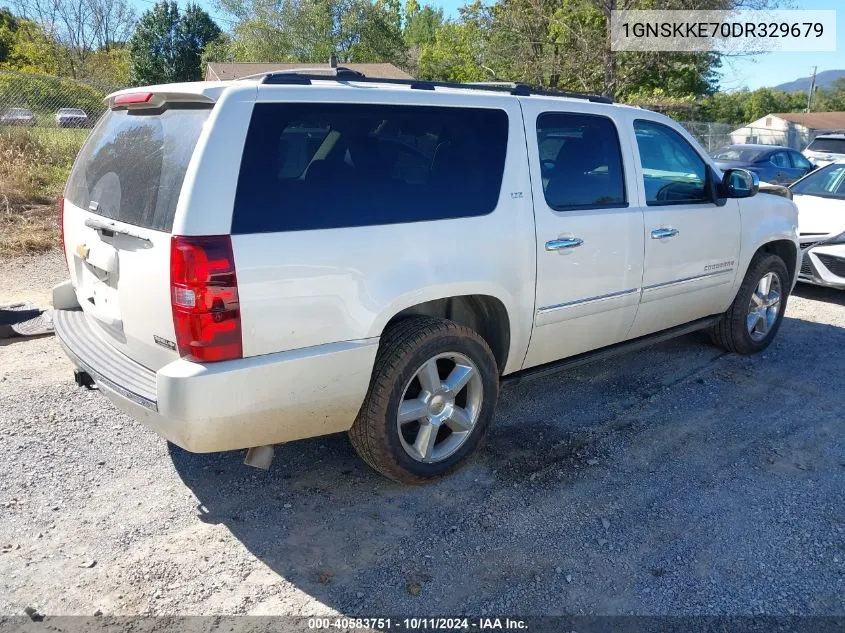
(204, 298)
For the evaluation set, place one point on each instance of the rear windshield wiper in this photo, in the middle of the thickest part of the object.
(109, 229)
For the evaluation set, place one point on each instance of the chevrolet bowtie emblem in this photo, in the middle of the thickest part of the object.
(82, 251)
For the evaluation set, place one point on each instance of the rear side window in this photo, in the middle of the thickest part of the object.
(132, 166)
(581, 161)
(318, 166)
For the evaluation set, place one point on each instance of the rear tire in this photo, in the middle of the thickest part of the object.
(445, 379)
(754, 318)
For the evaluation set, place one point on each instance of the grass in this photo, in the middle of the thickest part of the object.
(34, 166)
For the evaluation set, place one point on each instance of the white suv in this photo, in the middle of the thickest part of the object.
(264, 260)
(826, 149)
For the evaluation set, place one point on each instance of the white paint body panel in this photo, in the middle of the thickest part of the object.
(825, 217)
(587, 296)
(305, 288)
(688, 276)
(819, 215)
(124, 287)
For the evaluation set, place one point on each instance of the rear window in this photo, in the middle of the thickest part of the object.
(317, 166)
(132, 166)
(740, 154)
(833, 145)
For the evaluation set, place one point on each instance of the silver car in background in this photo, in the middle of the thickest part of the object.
(71, 117)
(17, 116)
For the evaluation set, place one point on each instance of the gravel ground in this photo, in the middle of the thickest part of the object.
(679, 480)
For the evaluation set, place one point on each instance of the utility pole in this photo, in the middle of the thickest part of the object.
(812, 88)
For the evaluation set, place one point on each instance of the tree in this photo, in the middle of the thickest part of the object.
(565, 44)
(114, 22)
(26, 47)
(167, 46)
(312, 30)
(460, 50)
(421, 23)
(9, 24)
(109, 67)
(420, 30)
(79, 27)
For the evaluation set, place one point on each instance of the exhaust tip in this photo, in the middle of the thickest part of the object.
(260, 457)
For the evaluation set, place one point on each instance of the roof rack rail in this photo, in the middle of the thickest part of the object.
(305, 76)
(339, 72)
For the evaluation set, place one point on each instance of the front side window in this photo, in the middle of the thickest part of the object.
(311, 166)
(799, 161)
(780, 159)
(673, 172)
(581, 161)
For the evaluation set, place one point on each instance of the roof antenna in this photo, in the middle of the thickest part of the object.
(333, 61)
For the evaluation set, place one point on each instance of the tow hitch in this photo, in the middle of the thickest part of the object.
(83, 379)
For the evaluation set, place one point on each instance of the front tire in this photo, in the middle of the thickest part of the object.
(430, 402)
(754, 318)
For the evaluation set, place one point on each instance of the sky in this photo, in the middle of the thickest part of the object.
(765, 69)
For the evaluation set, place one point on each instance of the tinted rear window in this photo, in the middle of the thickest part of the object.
(317, 166)
(740, 154)
(835, 145)
(132, 166)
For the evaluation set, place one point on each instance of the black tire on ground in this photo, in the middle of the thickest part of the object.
(405, 346)
(731, 332)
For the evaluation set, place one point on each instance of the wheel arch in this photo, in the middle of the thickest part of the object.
(787, 251)
(485, 314)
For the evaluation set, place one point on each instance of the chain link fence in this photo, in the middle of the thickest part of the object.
(712, 136)
(45, 102)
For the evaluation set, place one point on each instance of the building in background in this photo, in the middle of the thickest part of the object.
(790, 129)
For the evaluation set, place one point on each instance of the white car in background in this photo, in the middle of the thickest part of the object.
(820, 198)
(826, 149)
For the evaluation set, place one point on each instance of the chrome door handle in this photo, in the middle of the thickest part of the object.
(662, 233)
(564, 242)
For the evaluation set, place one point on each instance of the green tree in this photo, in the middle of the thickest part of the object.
(311, 30)
(421, 23)
(9, 25)
(459, 51)
(28, 48)
(109, 66)
(168, 45)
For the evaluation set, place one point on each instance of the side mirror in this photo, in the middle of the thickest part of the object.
(740, 183)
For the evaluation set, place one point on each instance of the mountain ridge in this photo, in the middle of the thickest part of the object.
(824, 80)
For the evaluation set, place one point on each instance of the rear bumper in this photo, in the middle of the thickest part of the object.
(228, 405)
